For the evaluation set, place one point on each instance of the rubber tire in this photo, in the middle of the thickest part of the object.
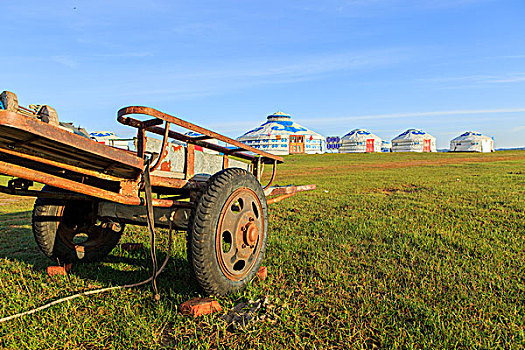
(203, 225)
(46, 220)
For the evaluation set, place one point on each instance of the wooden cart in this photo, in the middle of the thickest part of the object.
(92, 190)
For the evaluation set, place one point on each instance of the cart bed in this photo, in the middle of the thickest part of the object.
(32, 136)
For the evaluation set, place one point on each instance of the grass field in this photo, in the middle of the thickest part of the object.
(390, 251)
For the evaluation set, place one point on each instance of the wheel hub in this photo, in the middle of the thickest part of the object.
(239, 231)
(251, 233)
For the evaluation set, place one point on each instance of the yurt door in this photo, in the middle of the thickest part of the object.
(426, 145)
(296, 144)
(370, 145)
(486, 146)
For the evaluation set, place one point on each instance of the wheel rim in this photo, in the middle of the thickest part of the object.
(76, 231)
(239, 234)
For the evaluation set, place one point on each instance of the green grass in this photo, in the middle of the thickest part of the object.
(390, 251)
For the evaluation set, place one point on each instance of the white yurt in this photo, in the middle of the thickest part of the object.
(110, 139)
(281, 135)
(360, 141)
(414, 140)
(472, 141)
(386, 146)
(205, 150)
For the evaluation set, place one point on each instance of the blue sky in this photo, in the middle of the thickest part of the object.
(445, 66)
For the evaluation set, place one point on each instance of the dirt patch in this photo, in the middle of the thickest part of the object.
(411, 188)
(406, 164)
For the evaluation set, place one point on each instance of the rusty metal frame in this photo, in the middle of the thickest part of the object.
(43, 130)
(128, 188)
(151, 126)
(61, 165)
(77, 187)
(189, 126)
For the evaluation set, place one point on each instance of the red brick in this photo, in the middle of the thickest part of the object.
(262, 273)
(200, 306)
(56, 271)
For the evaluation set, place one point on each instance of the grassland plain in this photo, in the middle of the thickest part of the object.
(390, 251)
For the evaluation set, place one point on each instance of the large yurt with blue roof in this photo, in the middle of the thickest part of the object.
(360, 141)
(280, 135)
(472, 141)
(414, 140)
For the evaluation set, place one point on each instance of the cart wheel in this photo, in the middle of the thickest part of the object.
(66, 230)
(228, 231)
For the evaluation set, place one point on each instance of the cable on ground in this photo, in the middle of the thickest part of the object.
(155, 273)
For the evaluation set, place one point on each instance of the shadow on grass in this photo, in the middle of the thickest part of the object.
(17, 242)
(118, 268)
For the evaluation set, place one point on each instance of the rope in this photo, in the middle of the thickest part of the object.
(155, 273)
(151, 227)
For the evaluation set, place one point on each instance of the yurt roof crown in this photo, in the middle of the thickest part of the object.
(471, 133)
(280, 123)
(413, 132)
(279, 116)
(358, 132)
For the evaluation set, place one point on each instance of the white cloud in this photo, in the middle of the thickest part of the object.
(414, 114)
(374, 8)
(511, 79)
(67, 61)
(125, 54)
(518, 128)
(228, 76)
(516, 77)
(507, 57)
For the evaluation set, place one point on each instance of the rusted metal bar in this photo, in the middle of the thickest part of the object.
(44, 194)
(184, 138)
(225, 161)
(61, 165)
(280, 198)
(141, 142)
(187, 125)
(202, 137)
(161, 181)
(274, 173)
(162, 155)
(73, 186)
(256, 168)
(190, 161)
(138, 216)
(152, 122)
(274, 191)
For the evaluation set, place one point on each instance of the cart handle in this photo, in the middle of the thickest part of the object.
(148, 125)
(162, 155)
